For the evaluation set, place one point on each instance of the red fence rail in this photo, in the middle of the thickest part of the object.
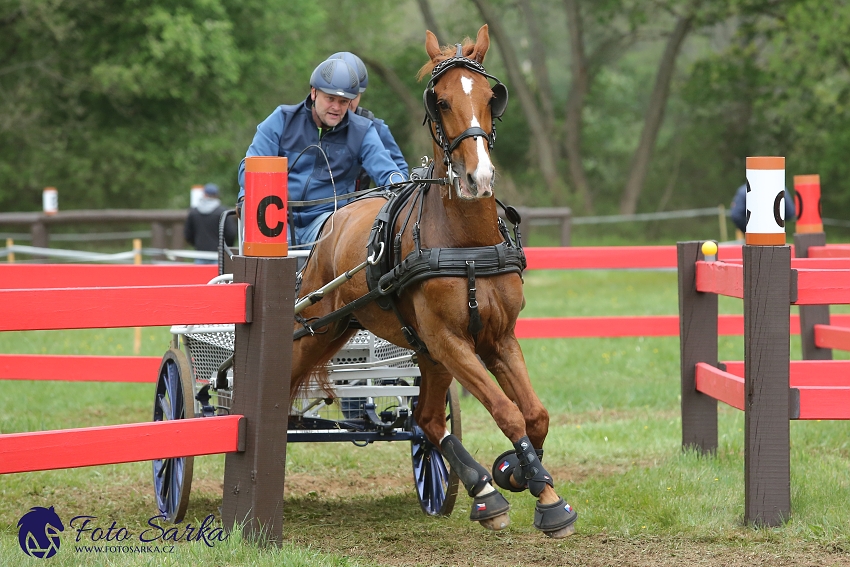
(111, 307)
(111, 444)
(40, 276)
(79, 368)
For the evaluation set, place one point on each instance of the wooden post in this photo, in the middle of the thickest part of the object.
(721, 217)
(767, 311)
(698, 343)
(40, 237)
(253, 479)
(158, 238)
(177, 240)
(11, 256)
(809, 227)
(566, 227)
(811, 315)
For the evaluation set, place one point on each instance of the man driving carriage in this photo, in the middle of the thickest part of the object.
(326, 146)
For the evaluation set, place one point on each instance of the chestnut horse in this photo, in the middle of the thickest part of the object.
(461, 107)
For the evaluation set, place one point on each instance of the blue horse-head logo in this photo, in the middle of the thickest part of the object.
(38, 532)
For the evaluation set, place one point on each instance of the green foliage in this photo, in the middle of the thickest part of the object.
(127, 104)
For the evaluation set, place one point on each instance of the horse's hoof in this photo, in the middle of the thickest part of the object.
(489, 506)
(562, 533)
(555, 520)
(500, 522)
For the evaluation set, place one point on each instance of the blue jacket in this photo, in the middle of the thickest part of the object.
(350, 145)
(386, 137)
(739, 208)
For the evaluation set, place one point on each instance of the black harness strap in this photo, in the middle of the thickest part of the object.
(312, 327)
(475, 324)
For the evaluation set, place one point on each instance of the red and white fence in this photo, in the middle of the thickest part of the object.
(80, 297)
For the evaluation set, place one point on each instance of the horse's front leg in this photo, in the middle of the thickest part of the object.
(489, 507)
(522, 468)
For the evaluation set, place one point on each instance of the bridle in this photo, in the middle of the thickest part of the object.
(432, 115)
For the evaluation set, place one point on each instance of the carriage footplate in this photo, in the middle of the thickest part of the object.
(389, 426)
(555, 519)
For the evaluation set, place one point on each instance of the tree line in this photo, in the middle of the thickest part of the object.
(617, 106)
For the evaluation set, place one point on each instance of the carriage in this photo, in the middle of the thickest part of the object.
(373, 391)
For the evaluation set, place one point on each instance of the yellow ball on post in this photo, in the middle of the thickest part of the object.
(709, 248)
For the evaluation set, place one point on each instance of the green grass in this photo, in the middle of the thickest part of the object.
(613, 447)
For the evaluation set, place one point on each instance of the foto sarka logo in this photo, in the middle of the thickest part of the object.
(38, 532)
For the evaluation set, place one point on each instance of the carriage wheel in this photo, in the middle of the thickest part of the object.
(172, 478)
(436, 486)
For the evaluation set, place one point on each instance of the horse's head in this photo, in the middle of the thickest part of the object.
(462, 108)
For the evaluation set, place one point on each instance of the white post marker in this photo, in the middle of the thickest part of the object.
(195, 196)
(50, 200)
(765, 201)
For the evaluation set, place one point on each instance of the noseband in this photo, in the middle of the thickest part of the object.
(432, 114)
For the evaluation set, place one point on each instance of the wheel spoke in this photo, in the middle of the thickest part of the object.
(165, 404)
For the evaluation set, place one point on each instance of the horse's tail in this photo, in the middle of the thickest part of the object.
(317, 375)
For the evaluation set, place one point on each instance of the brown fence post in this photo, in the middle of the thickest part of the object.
(811, 315)
(158, 238)
(253, 479)
(40, 237)
(698, 343)
(767, 344)
(566, 227)
(177, 240)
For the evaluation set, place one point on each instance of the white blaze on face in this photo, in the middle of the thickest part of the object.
(483, 174)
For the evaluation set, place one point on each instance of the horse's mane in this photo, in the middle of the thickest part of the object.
(447, 52)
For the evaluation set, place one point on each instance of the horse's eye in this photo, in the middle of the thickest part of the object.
(443, 105)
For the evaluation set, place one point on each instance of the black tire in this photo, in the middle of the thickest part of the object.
(172, 478)
(436, 486)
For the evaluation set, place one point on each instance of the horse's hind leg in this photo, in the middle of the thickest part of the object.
(523, 467)
(311, 352)
(489, 507)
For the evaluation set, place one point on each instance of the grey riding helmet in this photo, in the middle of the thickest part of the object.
(336, 77)
(356, 64)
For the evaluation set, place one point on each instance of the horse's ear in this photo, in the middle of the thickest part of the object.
(482, 44)
(432, 46)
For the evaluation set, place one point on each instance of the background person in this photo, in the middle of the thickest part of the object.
(201, 228)
(738, 209)
(349, 141)
(363, 181)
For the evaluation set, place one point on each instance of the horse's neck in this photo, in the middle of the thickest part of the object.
(451, 222)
